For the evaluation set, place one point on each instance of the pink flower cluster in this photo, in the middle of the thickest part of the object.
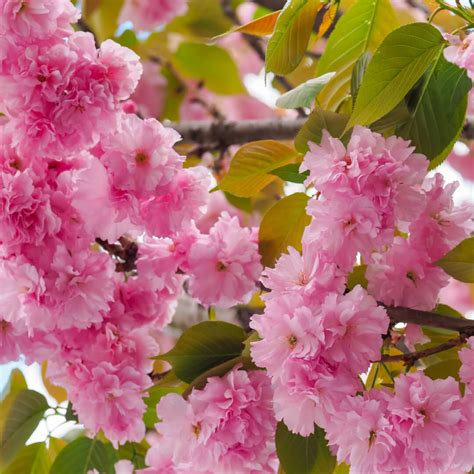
(406, 431)
(314, 350)
(228, 425)
(372, 190)
(149, 14)
(76, 170)
(373, 203)
(462, 54)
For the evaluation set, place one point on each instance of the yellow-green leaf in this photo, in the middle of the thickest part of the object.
(362, 28)
(204, 19)
(251, 167)
(319, 120)
(21, 419)
(102, 16)
(32, 459)
(210, 64)
(459, 262)
(283, 226)
(289, 41)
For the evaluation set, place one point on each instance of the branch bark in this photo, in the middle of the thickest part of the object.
(425, 318)
(411, 357)
(222, 134)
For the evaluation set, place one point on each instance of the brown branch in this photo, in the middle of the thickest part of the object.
(126, 252)
(221, 134)
(410, 358)
(425, 318)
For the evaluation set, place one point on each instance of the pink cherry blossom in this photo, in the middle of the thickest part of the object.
(26, 216)
(309, 275)
(384, 170)
(79, 288)
(428, 414)
(150, 93)
(37, 18)
(353, 327)
(314, 353)
(362, 434)
(461, 52)
(180, 202)
(344, 226)
(441, 225)
(224, 265)
(463, 161)
(467, 358)
(217, 204)
(147, 15)
(140, 157)
(22, 289)
(65, 83)
(404, 276)
(229, 424)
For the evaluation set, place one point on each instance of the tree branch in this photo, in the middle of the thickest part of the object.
(426, 318)
(222, 134)
(125, 253)
(411, 357)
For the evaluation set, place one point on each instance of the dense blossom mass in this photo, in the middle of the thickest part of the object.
(317, 339)
(74, 168)
(104, 226)
(229, 424)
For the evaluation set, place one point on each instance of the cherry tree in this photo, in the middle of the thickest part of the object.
(214, 284)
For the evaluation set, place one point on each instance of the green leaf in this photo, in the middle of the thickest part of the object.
(82, 455)
(102, 16)
(358, 73)
(434, 123)
(128, 38)
(362, 28)
(155, 394)
(318, 121)
(32, 459)
(303, 455)
(458, 117)
(210, 64)
(357, 277)
(289, 41)
(71, 415)
(16, 383)
(204, 19)
(22, 418)
(291, 173)
(444, 369)
(134, 452)
(204, 346)
(459, 262)
(304, 94)
(341, 469)
(401, 60)
(282, 226)
(447, 311)
(388, 123)
(251, 165)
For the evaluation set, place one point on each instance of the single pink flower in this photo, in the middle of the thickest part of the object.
(224, 266)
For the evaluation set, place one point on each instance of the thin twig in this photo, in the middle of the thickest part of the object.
(411, 357)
